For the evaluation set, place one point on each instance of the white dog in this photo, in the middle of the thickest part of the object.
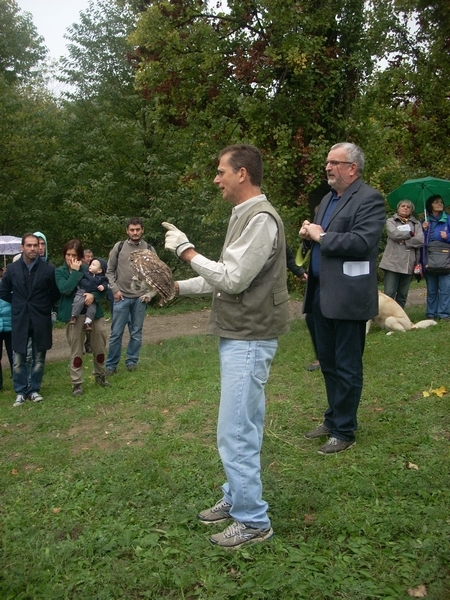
(392, 317)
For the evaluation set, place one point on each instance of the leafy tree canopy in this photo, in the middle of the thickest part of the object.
(21, 48)
(284, 75)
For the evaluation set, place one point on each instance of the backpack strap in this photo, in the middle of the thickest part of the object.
(120, 246)
(122, 242)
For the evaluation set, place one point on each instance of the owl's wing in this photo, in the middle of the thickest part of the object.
(147, 267)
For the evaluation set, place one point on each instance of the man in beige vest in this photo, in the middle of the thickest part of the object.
(249, 312)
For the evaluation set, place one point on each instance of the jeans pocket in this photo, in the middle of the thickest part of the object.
(264, 353)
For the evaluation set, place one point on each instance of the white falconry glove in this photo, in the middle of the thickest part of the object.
(176, 241)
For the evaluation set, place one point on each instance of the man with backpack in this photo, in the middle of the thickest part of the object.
(128, 306)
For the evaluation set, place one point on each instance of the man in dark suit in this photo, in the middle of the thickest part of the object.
(29, 284)
(342, 291)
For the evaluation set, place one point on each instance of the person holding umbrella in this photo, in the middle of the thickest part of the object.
(437, 228)
(404, 240)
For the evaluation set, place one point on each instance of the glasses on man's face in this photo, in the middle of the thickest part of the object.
(335, 163)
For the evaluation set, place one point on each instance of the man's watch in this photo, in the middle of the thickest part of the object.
(321, 236)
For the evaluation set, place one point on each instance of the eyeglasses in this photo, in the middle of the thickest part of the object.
(335, 163)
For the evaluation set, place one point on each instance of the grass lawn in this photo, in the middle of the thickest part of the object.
(99, 494)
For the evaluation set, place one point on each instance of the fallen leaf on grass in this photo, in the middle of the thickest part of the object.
(437, 392)
(410, 465)
(56, 510)
(418, 592)
(14, 472)
(38, 469)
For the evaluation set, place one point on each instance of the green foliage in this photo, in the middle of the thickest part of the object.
(117, 158)
(28, 124)
(21, 48)
(283, 77)
(100, 494)
(29, 133)
(408, 101)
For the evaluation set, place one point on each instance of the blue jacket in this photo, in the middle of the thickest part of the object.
(436, 225)
(5, 316)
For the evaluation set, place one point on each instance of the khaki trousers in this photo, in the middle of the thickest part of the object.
(75, 335)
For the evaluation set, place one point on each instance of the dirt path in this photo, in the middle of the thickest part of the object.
(160, 326)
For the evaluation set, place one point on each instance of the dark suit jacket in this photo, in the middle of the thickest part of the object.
(350, 247)
(31, 305)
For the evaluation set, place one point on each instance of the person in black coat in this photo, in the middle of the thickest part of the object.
(342, 288)
(29, 285)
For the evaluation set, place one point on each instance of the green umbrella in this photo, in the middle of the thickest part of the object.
(419, 190)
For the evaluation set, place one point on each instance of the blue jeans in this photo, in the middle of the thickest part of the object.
(396, 286)
(438, 296)
(23, 385)
(244, 368)
(340, 347)
(129, 311)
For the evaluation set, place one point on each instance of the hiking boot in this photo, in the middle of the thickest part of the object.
(19, 400)
(77, 390)
(237, 535)
(333, 446)
(72, 321)
(318, 432)
(87, 327)
(35, 397)
(219, 513)
(131, 367)
(100, 380)
(109, 372)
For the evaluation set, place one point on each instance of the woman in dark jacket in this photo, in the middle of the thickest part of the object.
(437, 227)
(67, 279)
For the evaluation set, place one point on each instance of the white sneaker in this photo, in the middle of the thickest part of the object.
(237, 535)
(19, 400)
(219, 513)
(35, 397)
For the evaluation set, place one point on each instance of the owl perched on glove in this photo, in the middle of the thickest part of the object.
(152, 274)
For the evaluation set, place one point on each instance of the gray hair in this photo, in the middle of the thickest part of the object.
(354, 154)
(408, 203)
